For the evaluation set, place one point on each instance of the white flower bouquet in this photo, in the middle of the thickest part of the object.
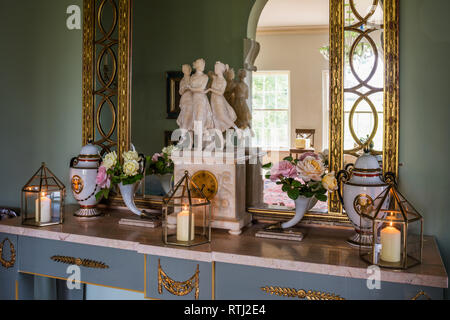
(112, 172)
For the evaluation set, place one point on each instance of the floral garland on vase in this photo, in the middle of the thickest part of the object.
(111, 172)
(305, 176)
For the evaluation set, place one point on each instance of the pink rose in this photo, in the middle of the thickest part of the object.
(283, 169)
(156, 157)
(308, 154)
(103, 180)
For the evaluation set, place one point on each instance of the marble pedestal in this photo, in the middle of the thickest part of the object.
(230, 169)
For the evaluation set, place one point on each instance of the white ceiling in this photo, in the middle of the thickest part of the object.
(290, 13)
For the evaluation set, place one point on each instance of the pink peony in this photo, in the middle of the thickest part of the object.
(283, 169)
(156, 157)
(103, 180)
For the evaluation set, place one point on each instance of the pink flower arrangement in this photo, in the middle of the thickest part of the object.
(103, 180)
(305, 176)
(283, 169)
(156, 157)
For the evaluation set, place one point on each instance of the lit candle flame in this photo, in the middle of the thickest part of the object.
(43, 194)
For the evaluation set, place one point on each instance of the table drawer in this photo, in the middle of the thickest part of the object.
(98, 265)
(245, 282)
(8, 266)
(171, 278)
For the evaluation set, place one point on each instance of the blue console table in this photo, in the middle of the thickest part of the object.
(135, 259)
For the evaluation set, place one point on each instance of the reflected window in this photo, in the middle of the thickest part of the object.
(271, 109)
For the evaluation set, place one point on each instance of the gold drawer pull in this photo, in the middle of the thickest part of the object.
(80, 262)
(301, 294)
(178, 288)
(12, 260)
(421, 294)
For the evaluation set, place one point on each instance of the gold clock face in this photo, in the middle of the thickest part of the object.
(207, 182)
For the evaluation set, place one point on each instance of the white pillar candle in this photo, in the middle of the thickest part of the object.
(390, 244)
(183, 226)
(46, 212)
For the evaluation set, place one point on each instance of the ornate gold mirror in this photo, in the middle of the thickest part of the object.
(106, 74)
(362, 69)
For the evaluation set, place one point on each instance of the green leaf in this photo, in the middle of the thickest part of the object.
(296, 184)
(99, 195)
(285, 188)
(290, 159)
(294, 193)
(321, 197)
(267, 166)
(268, 176)
(308, 194)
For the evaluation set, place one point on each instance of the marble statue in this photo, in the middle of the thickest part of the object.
(241, 93)
(185, 119)
(201, 108)
(223, 114)
(231, 85)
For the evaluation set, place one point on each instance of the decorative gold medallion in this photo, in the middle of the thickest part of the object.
(363, 204)
(207, 182)
(77, 184)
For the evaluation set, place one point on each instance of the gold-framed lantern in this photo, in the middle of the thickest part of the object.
(43, 199)
(188, 209)
(397, 228)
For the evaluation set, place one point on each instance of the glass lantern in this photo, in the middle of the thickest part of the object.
(397, 230)
(43, 199)
(186, 214)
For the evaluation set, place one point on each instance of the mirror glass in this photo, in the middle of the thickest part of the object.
(363, 78)
(166, 35)
(105, 79)
(290, 91)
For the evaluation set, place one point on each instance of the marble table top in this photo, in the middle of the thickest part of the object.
(323, 250)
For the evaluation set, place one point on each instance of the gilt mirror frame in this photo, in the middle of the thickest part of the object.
(122, 111)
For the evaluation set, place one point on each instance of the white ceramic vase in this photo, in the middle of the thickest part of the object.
(166, 181)
(128, 191)
(361, 186)
(302, 205)
(83, 175)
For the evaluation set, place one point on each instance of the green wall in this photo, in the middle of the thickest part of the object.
(425, 113)
(169, 33)
(40, 92)
(40, 87)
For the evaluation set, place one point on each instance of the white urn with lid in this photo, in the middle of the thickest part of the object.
(83, 176)
(361, 185)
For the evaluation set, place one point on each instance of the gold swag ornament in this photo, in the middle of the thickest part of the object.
(12, 260)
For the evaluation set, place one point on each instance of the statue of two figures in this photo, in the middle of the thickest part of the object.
(227, 108)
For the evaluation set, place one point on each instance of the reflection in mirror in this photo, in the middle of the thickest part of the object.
(363, 78)
(291, 87)
(166, 35)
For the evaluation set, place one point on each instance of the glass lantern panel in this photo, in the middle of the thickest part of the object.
(414, 243)
(408, 209)
(29, 205)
